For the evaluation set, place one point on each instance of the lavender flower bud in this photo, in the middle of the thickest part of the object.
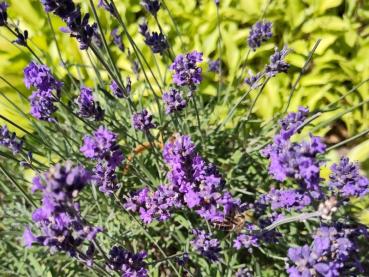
(152, 6)
(277, 64)
(143, 121)
(88, 108)
(174, 101)
(260, 32)
(127, 263)
(3, 13)
(117, 39)
(10, 140)
(206, 245)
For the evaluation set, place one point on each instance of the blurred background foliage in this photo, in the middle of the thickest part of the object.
(340, 63)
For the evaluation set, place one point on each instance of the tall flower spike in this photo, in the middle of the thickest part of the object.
(143, 121)
(88, 108)
(156, 41)
(40, 77)
(10, 140)
(260, 32)
(186, 70)
(42, 105)
(3, 13)
(174, 101)
(346, 180)
(276, 62)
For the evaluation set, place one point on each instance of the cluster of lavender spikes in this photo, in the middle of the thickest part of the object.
(42, 100)
(10, 140)
(192, 183)
(58, 219)
(103, 148)
(77, 25)
(332, 250)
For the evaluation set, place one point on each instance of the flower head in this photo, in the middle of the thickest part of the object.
(156, 41)
(10, 140)
(174, 101)
(3, 13)
(152, 6)
(143, 121)
(40, 77)
(206, 245)
(260, 32)
(276, 62)
(127, 263)
(117, 39)
(42, 105)
(186, 69)
(214, 66)
(346, 180)
(88, 108)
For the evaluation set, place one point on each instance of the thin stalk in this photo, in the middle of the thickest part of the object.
(174, 23)
(363, 133)
(256, 99)
(219, 53)
(197, 117)
(23, 192)
(302, 72)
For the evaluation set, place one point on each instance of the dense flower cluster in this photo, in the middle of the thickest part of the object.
(346, 181)
(186, 70)
(206, 245)
(77, 25)
(295, 160)
(156, 41)
(58, 219)
(42, 100)
(260, 32)
(193, 183)
(143, 121)
(332, 253)
(152, 6)
(174, 101)
(88, 107)
(10, 140)
(3, 13)
(104, 149)
(285, 199)
(127, 263)
(276, 63)
(117, 39)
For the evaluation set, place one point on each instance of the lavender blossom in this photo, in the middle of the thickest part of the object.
(244, 272)
(246, 241)
(214, 66)
(276, 62)
(10, 140)
(127, 263)
(156, 41)
(143, 121)
(260, 32)
(186, 70)
(108, 6)
(42, 105)
(59, 220)
(174, 101)
(3, 13)
(21, 37)
(88, 108)
(117, 39)
(77, 25)
(206, 245)
(118, 92)
(40, 77)
(332, 253)
(253, 80)
(152, 6)
(286, 199)
(103, 148)
(346, 180)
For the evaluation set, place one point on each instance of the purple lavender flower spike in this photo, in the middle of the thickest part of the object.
(10, 140)
(276, 62)
(246, 241)
(117, 39)
(103, 147)
(206, 245)
(286, 199)
(127, 263)
(156, 41)
(214, 65)
(152, 6)
(174, 101)
(3, 13)
(59, 220)
(107, 5)
(40, 77)
(42, 105)
(260, 32)
(77, 24)
(143, 121)
(186, 70)
(253, 80)
(88, 108)
(346, 180)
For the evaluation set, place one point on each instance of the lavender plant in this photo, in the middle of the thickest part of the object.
(127, 183)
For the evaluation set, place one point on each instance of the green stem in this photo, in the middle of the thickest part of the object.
(363, 133)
